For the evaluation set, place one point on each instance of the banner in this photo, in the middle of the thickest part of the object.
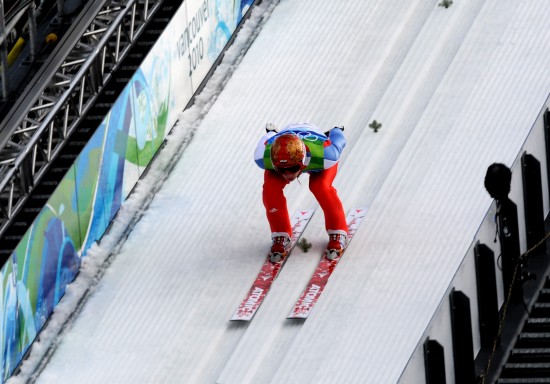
(33, 280)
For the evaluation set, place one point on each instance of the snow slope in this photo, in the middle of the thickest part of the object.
(455, 90)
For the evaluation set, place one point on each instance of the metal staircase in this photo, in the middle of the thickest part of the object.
(529, 359)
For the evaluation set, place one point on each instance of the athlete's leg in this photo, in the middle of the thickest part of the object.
(275, 203)
(320, 184)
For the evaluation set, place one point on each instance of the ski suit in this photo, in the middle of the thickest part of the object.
(322, 154)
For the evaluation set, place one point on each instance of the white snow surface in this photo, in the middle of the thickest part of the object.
(455, 90)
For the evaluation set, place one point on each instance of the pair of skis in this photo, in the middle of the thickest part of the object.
(318, 281)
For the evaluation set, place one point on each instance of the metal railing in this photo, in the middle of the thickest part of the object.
(18, 28)
(38, 136)
(8, 23)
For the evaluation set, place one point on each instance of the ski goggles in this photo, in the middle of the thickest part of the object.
(292, 169)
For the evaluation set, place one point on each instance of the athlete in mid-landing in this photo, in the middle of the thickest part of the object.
(284, 156)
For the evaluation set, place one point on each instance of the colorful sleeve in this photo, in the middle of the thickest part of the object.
(260, 152)
(334, 150)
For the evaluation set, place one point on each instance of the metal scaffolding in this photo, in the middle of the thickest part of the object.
(35, 137)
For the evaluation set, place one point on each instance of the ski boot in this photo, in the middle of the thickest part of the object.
(336, 244)
(279, 247)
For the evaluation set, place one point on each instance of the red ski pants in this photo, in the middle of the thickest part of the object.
(320, 184)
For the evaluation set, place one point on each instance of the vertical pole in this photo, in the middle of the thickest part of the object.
(461, 328)
(533, 201)
(487, 297)
(434, 362)
(3, 54)
(546, 121)
(510, 248)
(61, 7)
(31, 12)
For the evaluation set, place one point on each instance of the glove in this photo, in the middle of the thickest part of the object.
(270, 127)
(328, 132)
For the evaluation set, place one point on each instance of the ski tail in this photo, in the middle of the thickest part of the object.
(319, 279)
(269, 271)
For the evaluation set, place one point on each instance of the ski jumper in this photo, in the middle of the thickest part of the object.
(321, 162)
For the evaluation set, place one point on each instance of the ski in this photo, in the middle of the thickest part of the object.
(324, 269)
(269, 271)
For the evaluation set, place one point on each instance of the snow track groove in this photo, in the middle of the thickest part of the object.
(455, 89)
